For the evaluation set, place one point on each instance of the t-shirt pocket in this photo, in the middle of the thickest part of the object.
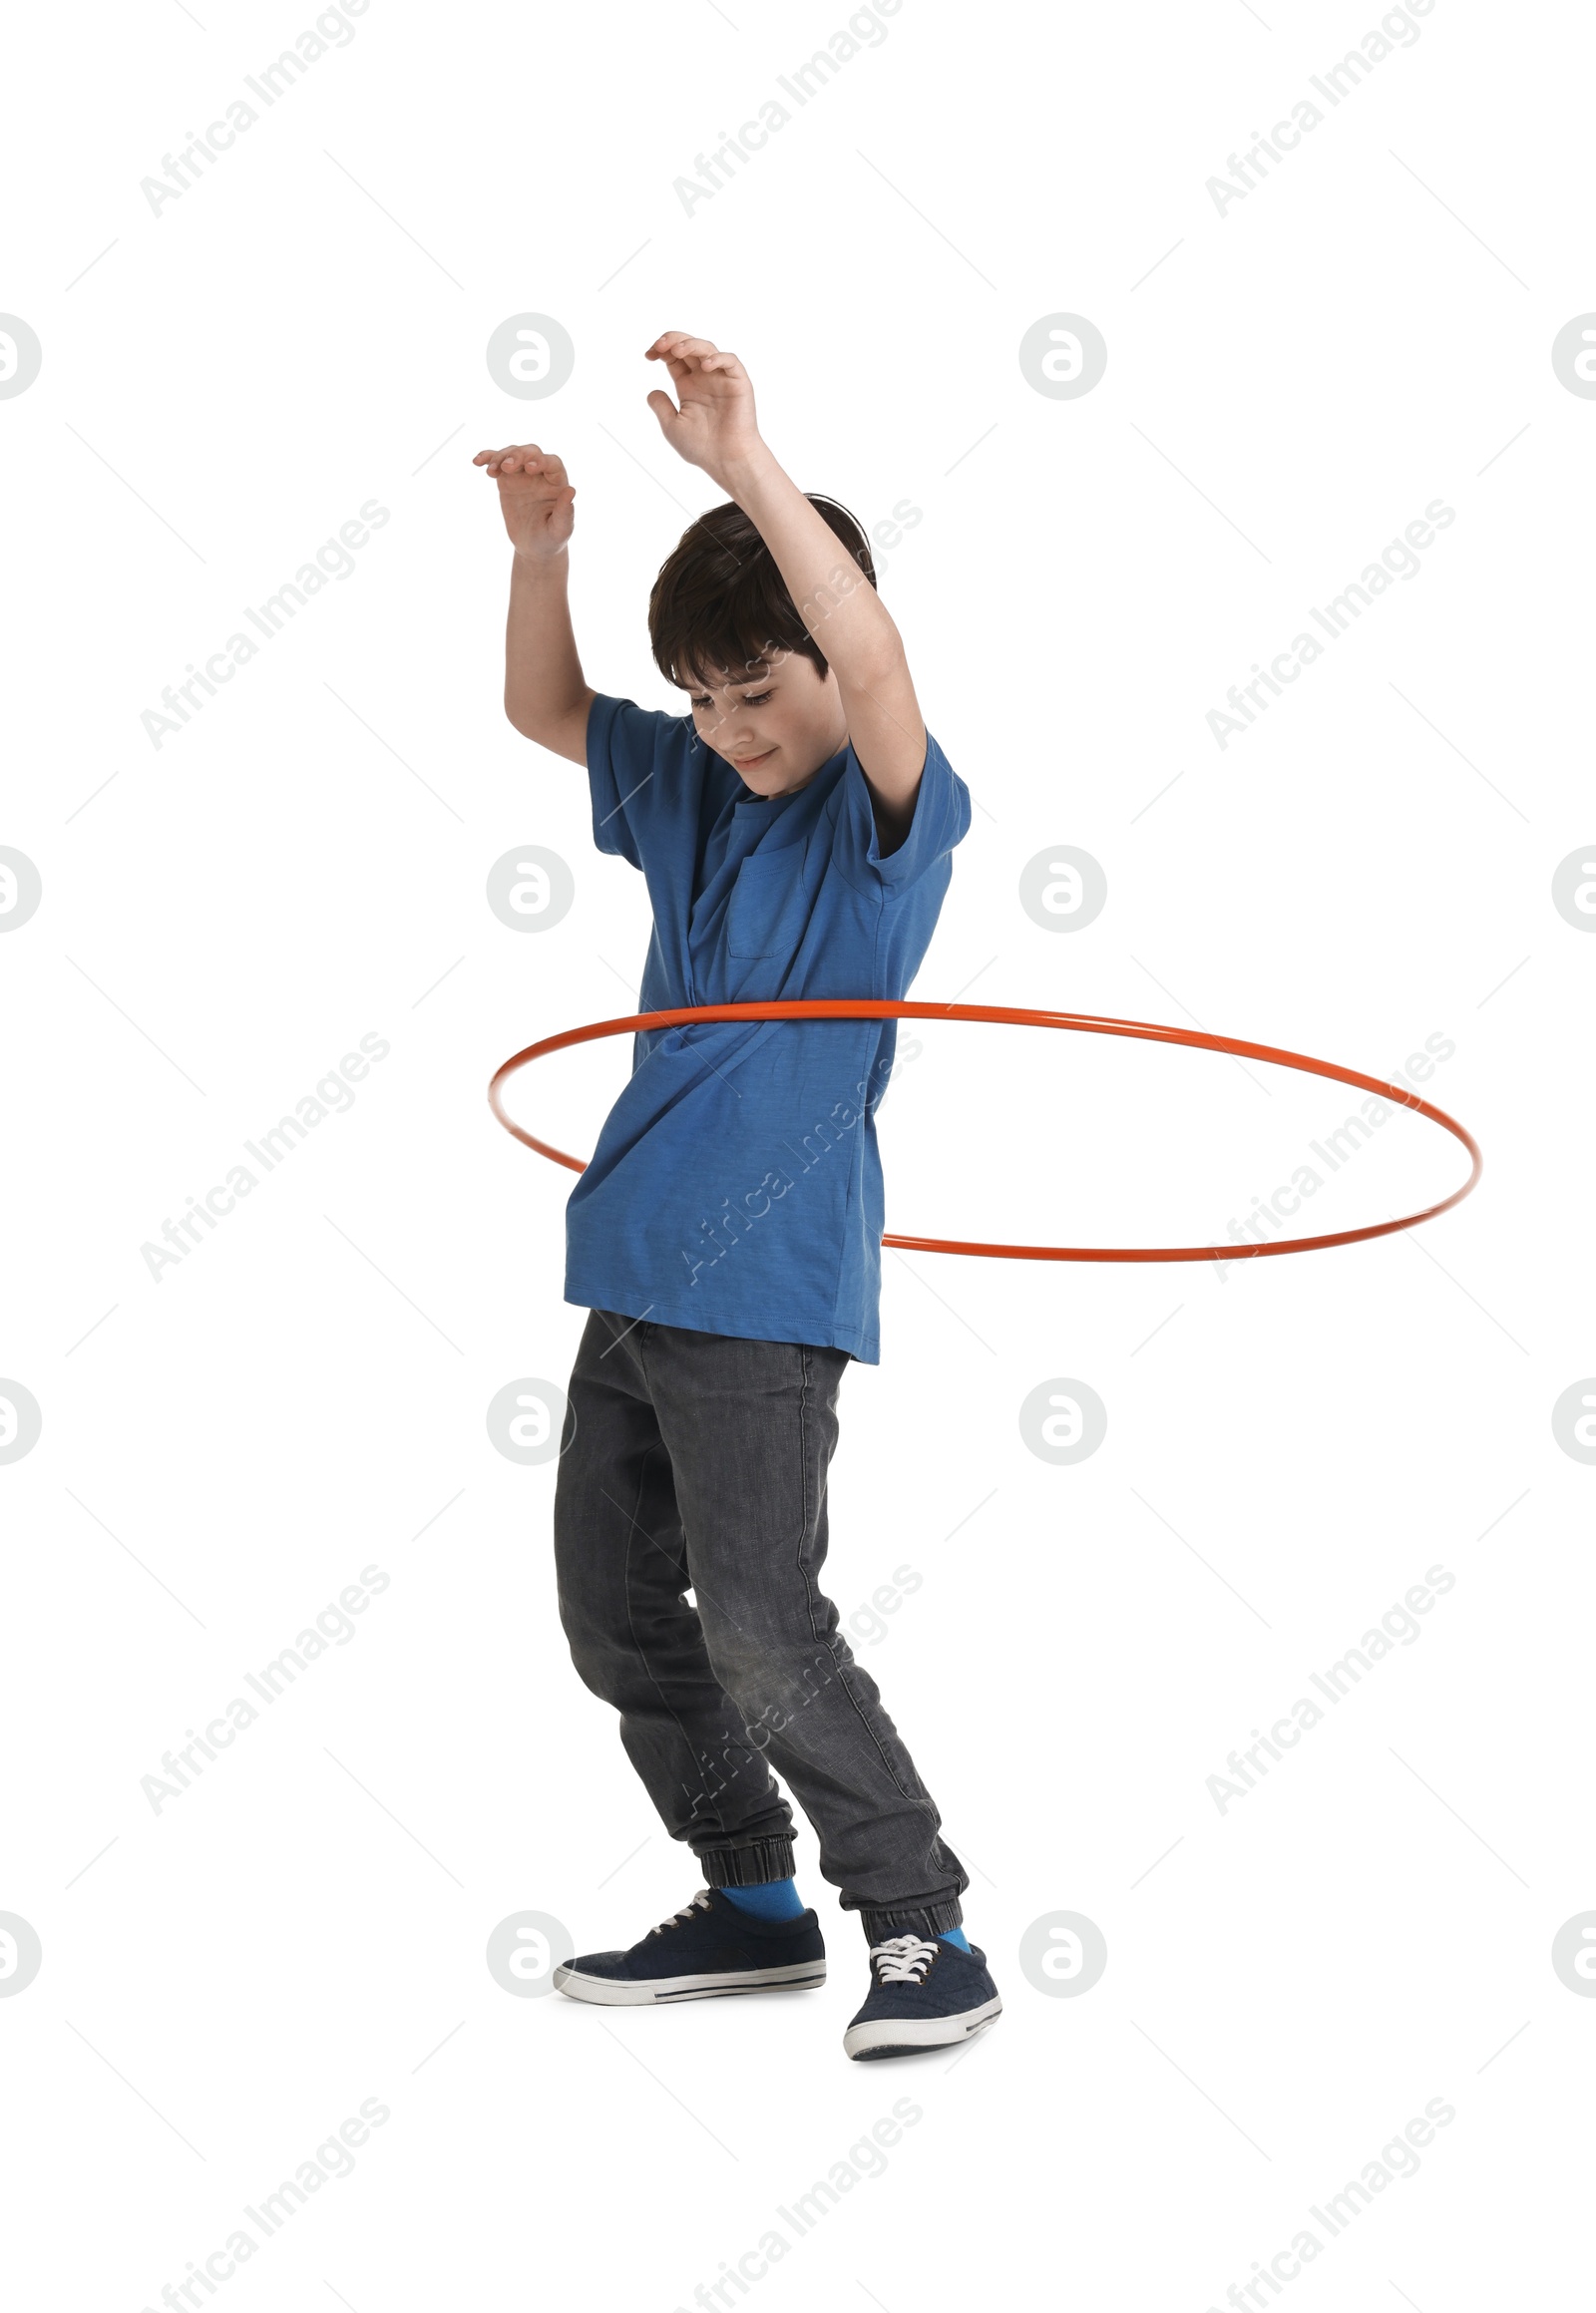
(763, 911)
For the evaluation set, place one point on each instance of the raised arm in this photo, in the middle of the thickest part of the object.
(717, 428)
(547, 696)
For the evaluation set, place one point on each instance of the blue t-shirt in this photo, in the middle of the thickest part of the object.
(736, 1187)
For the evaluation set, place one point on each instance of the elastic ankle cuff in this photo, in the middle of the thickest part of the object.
(753, 1865)
(929, 1919)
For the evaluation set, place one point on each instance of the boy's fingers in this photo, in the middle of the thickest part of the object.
(676, 347)
(665, 409)
(532, 464)
(535, 492)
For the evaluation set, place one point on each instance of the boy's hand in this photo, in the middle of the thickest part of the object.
(534, 497)
(715, 427)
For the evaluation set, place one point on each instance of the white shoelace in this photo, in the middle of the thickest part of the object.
(701, 1902)
(902, 1959)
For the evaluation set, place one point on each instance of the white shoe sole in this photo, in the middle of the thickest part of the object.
(665, 1991)
(908, 2035)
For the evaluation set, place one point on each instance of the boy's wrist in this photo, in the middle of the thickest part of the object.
(747, 473)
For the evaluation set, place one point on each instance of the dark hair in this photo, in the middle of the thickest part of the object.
(720, 603)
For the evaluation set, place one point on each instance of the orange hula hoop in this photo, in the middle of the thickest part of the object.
(881, 1008)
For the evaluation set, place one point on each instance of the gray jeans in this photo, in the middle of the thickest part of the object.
(698, 1461)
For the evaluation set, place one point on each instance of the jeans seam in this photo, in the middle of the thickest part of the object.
(841, 1668)
(634, 1527)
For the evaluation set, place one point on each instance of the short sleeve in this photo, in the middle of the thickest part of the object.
(941, 820)
(636, 774)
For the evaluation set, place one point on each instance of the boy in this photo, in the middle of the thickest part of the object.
(794, 831)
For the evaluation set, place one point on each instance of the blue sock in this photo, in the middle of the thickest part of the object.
(776, 1899)
(955, 1936)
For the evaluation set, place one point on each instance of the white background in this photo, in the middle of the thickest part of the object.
(1291, 1443)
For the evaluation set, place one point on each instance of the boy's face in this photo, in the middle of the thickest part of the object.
(776, 724)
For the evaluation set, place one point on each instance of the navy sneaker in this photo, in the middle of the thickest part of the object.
(925, 1994)
(707, 1947)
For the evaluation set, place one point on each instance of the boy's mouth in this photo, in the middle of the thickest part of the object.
(748, 762)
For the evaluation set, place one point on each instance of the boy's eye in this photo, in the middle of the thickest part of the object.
(757, 699)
